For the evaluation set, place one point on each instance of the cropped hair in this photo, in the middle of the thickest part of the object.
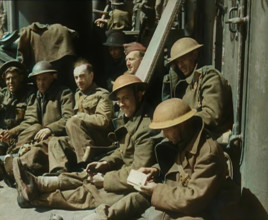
(83, 61)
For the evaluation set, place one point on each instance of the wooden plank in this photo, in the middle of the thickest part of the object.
(158, 40)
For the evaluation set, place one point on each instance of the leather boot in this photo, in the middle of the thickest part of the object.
(26, 182)
(22, 202)
(9, 180)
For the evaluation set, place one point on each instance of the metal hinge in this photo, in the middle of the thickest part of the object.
(234, 21)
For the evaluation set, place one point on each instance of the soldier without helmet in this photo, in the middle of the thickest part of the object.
(88, 129)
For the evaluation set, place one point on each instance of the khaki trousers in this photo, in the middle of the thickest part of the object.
(61, 154)
(27, 135)
(82, 135)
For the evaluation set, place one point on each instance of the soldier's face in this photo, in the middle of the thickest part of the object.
(133, 60)
(13, 81)
(44, 81)
(127, 101)
(83, 77)
(174, 134)
(116, 52)
(187, 63)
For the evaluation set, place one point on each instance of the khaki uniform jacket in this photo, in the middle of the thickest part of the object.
(136, 150)
(206, 91)
(94, 107)
(13, 106)
(119, 20)
(193, 180)
(45, 42)
(57, 109)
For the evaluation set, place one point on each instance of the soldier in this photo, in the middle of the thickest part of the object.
(144, 19)
(204, 89)
(88, 129)
(192, 165)
(44, 119)
(104, 181)
(119, 17)
(134, 54)
(13, 102)
(115, 65)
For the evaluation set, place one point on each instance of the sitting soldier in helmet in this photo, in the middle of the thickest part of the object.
(104, 181)
(14, 99)
(203, 88)
(193, 169)
(46, 118)
(115, 64)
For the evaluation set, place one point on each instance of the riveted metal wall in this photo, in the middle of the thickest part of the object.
(244, 64)
(254, 169)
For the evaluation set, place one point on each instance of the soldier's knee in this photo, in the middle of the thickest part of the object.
(53, 141)
(73, 121)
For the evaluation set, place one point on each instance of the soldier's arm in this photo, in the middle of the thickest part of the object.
(103, 114)
(116, 181)
(30, 117)
(212, 95)
(66, 105)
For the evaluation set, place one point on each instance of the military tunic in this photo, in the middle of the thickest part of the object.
(89, 127)
(194, 172)
(135, 151)
(119, 20)
(51, 110)
(206, 91)
(13, 107)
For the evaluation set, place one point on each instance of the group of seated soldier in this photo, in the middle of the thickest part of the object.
(73, 153)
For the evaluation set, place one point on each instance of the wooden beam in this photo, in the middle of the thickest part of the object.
(158, 40)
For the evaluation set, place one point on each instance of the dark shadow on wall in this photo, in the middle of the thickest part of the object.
(251, 207)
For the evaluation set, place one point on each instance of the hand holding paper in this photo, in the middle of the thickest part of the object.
(137, 179)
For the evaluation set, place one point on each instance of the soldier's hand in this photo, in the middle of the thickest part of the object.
(96, 167)
(151, 172)
(100, 21)
(42, 134)
(6, 135)
(97, 180)
(148, 188)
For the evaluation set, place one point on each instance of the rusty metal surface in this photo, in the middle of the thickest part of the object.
(156, 45)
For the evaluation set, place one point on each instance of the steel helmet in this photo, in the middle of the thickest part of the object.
(171, 112)
(183, 46)
(19, 67)
(115, 38)
(42, 67)
(125, 80)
